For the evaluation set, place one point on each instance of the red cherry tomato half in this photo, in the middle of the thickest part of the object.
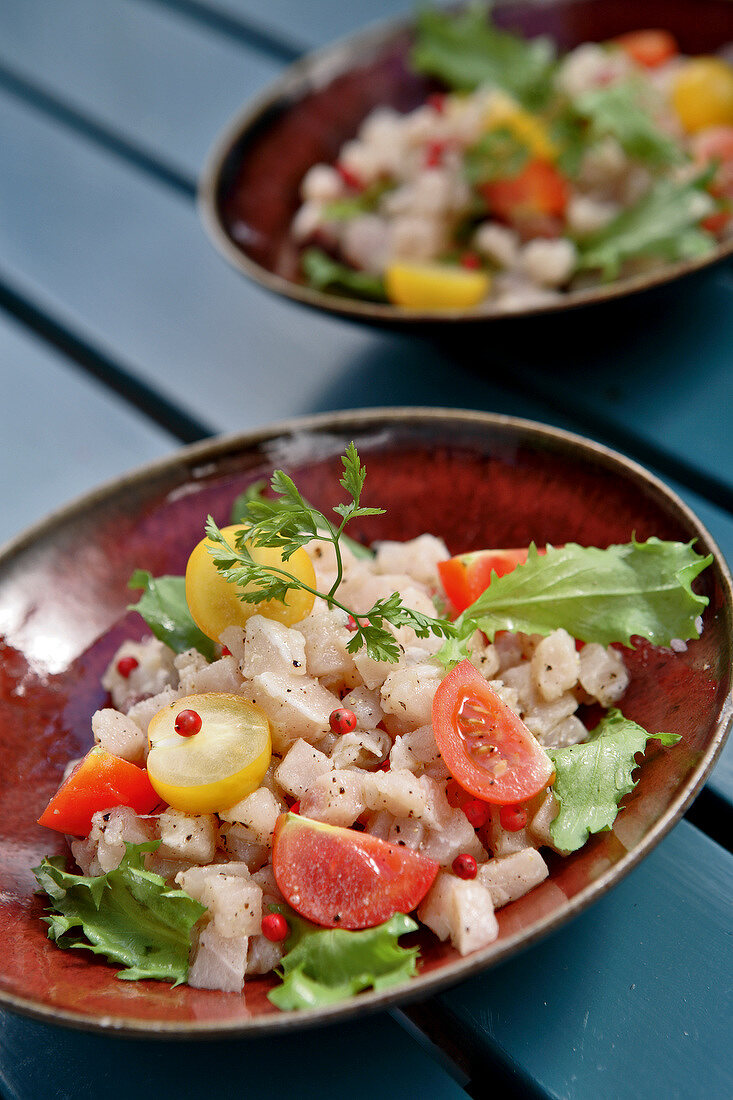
(539, 189)
(649, 48)
(466, 576)
(487, 749)
(340, 878)
(99, 782)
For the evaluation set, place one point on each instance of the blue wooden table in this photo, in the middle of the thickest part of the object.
(122, 335)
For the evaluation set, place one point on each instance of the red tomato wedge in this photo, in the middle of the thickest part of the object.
(341, 878)
(99, 782)
(649, 48)
(538, 190)
(466, 576)
(487, 749)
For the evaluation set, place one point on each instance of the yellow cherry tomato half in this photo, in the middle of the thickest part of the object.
(435, 286)
(213, 601)
(215, 767)
(504, 113)
(703, 94)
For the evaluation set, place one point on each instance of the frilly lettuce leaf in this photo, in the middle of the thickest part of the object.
(130, 915)
(164, 608)
(464, 49)
(664, 224)
(639, 588)
(592, 778)
(616, 111)
(325, 965)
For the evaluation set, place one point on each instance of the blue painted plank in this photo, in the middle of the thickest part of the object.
(629, 1000)
(151, 77)
(62, 432)
(304, 26)
(359, 1060)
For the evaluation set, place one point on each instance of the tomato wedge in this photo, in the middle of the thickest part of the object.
(486, 747)
(538, 190)
(649, 48)
(466, 576)
(99, 782)
(341, 878)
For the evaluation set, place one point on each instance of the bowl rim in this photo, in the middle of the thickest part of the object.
(203, 457)
(314, 70)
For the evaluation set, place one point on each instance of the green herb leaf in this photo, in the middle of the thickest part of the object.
(252, 505)
(365, 202)
(324, 965)
(616, 111)
(500, 154)
(592, 778)
(464, 50)
(295, 523)
(129, 915)
(604, 596)
(164, 608)
(664, 224)
(323, 273)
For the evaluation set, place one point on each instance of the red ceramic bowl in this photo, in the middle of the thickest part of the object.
(472, 478)
(249, 191)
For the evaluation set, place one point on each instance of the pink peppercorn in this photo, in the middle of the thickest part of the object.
(465, 866)
(126, 666)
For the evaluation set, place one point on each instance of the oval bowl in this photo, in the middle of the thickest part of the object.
(249, 190)
(474, 479)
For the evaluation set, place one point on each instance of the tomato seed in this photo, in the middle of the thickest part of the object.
(512, 818)
(127, 665)
(477, 812)
(465, 866)
(188, 723)
(342, 720)
(275, 927)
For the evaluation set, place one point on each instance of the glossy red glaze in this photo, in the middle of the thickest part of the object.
(473, 479)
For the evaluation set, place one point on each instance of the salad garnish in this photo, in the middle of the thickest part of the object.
(325, 965)
(591, 778)
(129, 915)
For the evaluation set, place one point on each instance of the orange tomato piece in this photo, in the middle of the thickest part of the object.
(99, 782)
(538, 191)
(649, 48)
(466, 576)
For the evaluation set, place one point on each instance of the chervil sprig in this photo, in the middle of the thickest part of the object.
(289, 522)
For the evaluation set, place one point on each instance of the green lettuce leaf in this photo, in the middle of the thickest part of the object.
(164, 608)
(464, 50)
(325, 965)
(664, 223)
(592, 778)
(615, 111)
(323, 273)
(639, 588)
(252, 505)
(130, 915)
